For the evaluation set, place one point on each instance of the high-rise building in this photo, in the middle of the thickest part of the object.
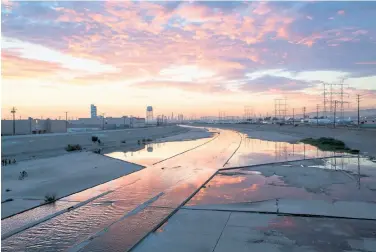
(93, 111)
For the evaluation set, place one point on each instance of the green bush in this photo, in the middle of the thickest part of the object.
(329, 144)
(73, 147)
(50, 198)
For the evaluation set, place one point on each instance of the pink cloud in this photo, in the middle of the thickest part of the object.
(261, 8)
(360, 32)
(15, 67)
(309, 17)
(341, 12)
(366, 63)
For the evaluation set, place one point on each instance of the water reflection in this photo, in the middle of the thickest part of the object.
(174, 180)
(154, 152)
(340, 178)
(256, 151)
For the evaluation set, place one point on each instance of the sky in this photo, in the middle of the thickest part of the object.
(194, 58)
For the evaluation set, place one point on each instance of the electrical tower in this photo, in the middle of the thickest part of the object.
(335, 92)
(248, 112)
(280, 108)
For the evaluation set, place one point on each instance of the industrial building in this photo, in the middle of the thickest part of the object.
(33, 126)
(95, 122)
(108, 122)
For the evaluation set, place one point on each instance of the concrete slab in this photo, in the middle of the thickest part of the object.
(197, 222)
(186, 242)
(346, 209)
(262, 232)
(263, 206)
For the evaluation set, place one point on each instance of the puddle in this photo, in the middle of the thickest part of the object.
(256, 151)
(155, 152)
(348, 178)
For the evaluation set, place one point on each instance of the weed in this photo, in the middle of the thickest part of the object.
(50, 198)
(329, 144)
(73, 147)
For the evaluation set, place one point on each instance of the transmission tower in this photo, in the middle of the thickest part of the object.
(248, 112)
(335, 92)
(280, 107)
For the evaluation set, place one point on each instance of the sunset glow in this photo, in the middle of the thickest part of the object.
(182, 57)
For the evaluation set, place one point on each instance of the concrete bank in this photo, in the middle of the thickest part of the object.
(31, 146)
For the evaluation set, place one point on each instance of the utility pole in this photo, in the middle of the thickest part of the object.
(317, 115)
(358, 99)
(304, 110)
(335, 108)
(66, 121)
(293, 116)
(103, 121)
(13, 111)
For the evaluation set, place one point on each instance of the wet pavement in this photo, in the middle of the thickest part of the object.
(310, 205)
(255, 151)
(137, 203)
(333, 179)
(172, 181)
(155, 152)
(222, 231)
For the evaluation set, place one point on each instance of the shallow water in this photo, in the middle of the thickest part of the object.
(255, 151)
(341, 178)
(164, 185)
(171, 181)
(155, 152)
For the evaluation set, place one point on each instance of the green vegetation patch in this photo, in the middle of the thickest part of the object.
(50, 198)
(73, 147)
(329, 144)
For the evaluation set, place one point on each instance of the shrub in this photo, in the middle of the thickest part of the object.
(73, 147)
(123, 141)
(94, 139)
(97, 151)
(149, 140)
(50, 198)
(329, 144)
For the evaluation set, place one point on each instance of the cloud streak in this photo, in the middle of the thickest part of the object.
(196, 47)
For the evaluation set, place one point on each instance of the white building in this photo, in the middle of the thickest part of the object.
(93, 111)
(108, 122)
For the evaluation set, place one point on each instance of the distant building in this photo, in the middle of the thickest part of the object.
(33, 126)
(108, 122)
(93, 111)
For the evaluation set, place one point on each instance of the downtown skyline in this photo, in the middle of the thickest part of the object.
(183, 57)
